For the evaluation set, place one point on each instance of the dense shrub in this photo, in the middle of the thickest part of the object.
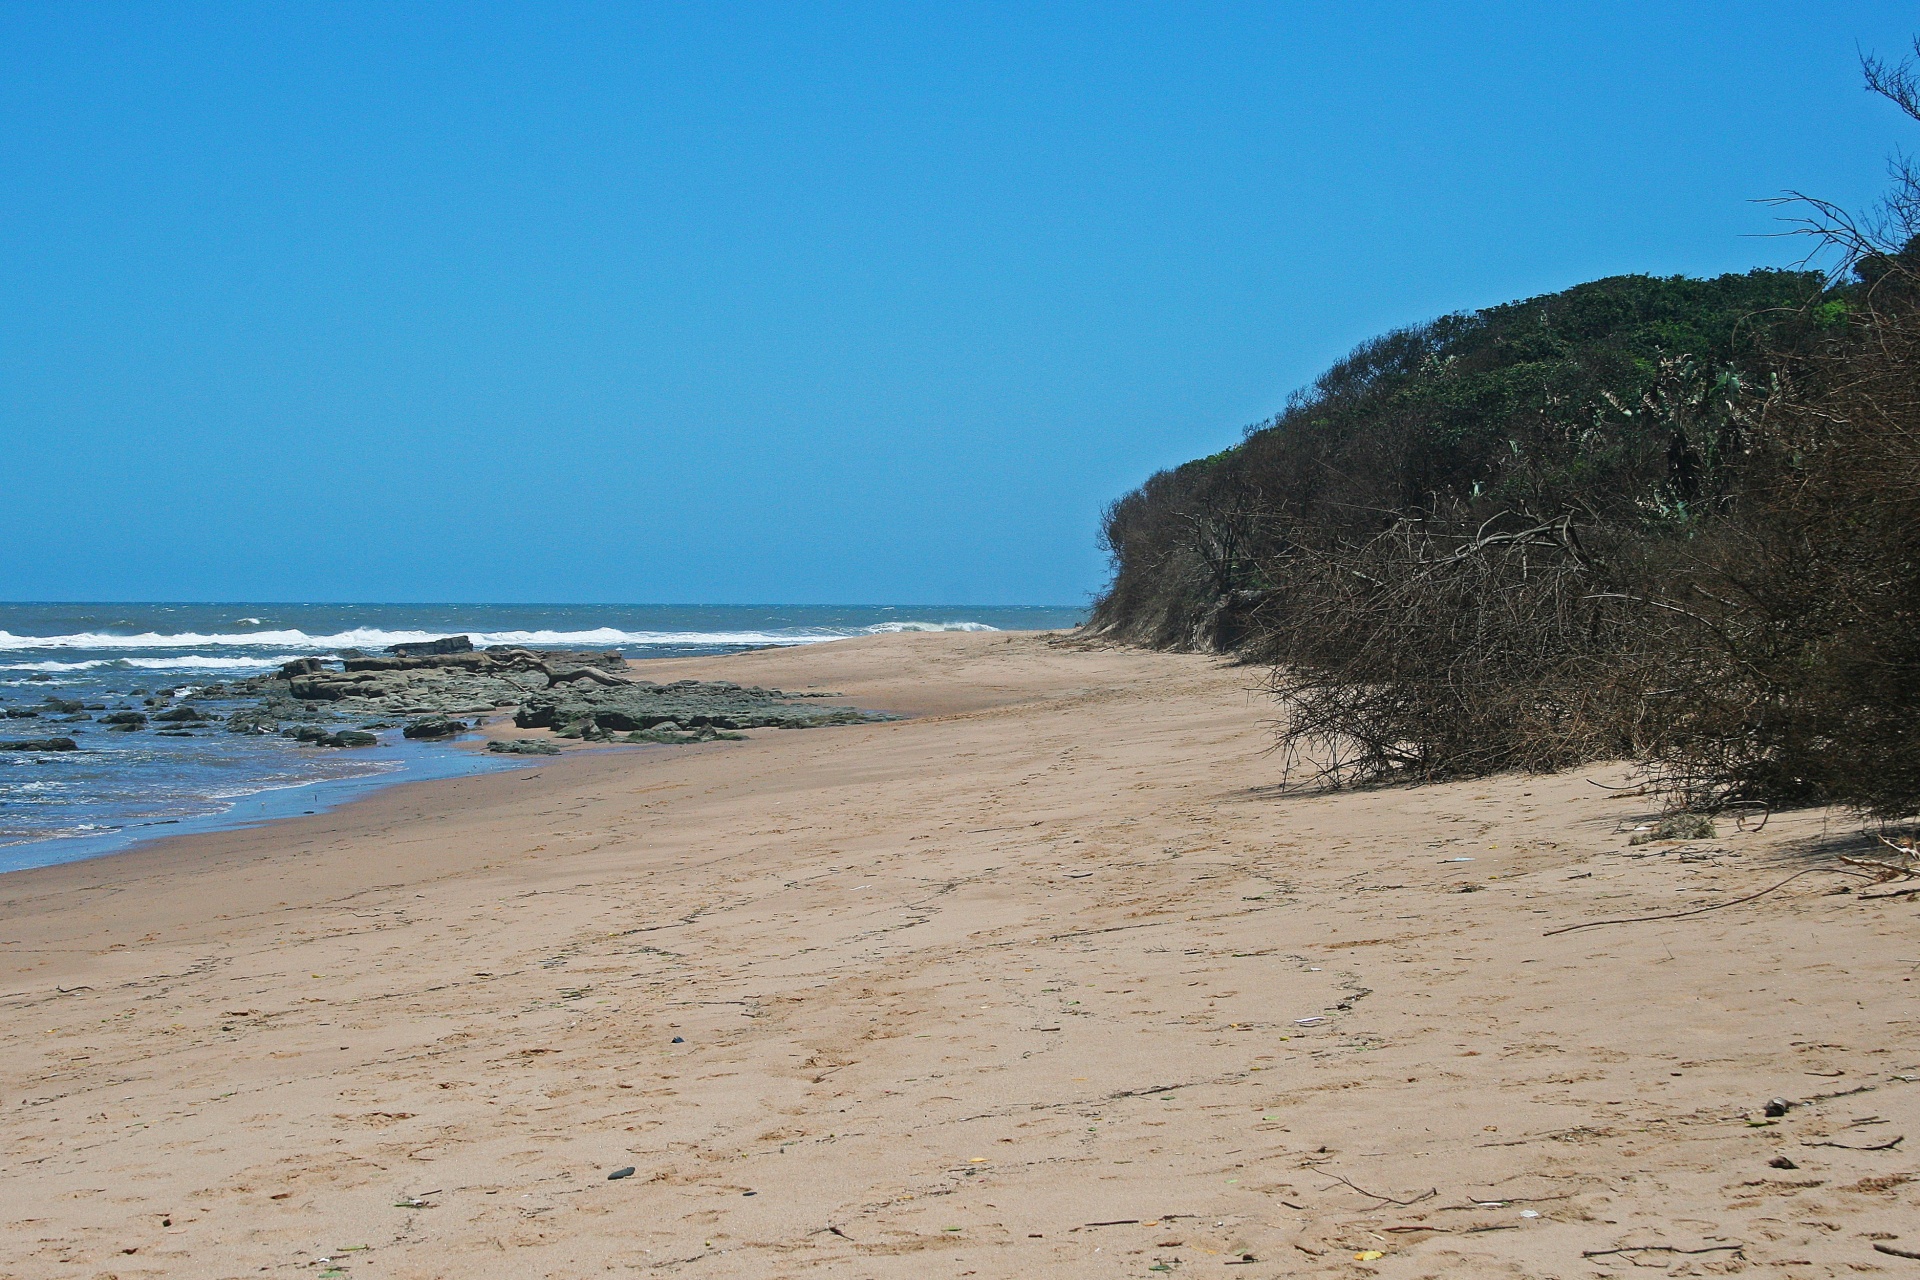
(1670, 519)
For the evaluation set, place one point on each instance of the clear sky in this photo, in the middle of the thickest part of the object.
(795, 302)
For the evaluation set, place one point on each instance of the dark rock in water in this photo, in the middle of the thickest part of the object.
(40, 677)
(314, 735)
(172, 733)
(435, 727)
(22, 713)
(124, 720)
(422, 648)
(41, 744)
(64, 706)
(524, 747)
(350, 653)
(253, 720)
(301, 667)
(182, 714)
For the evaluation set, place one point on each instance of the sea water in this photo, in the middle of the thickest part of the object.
(120, 788)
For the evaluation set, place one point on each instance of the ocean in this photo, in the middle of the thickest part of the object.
(121, 788)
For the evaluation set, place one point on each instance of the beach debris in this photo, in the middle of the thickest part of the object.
(1308, 1022)
(1775, 1107)
(1456, 860)
(1368, 1255)
(1888, 1145)
(625, 1171)
(1676, 826)
(1898, 1253)
(1781, 1162)
(678, 1040)
(1679, 915)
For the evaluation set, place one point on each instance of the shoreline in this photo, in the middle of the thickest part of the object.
(1049, 979)
(412, 762)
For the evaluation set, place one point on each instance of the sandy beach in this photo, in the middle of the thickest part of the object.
(1048, 978)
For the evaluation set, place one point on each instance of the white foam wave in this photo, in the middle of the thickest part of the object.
(373, 639)
(190, 662)
(894, 628)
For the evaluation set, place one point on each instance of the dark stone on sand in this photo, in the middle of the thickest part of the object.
(41, 744)
(423, 648)
(688, 704)
(620, 1173)
(523, 747)
(434, 727)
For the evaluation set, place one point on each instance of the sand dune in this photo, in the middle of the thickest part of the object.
(1047, 980)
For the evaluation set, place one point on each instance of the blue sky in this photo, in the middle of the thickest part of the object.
(793, 302)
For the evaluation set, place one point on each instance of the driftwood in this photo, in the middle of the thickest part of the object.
(1677, 915)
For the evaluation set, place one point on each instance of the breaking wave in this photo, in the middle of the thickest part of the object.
(371, 638)
(189, 662)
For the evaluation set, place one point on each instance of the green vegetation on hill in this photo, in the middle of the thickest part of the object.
(1614, 396)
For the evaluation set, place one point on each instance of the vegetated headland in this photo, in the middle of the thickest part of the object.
(1665, 519)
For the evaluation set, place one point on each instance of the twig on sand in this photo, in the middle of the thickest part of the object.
(1888, 1145)
(1660, 1248)
(1677, 915)
(1898, 1253)
(1428, 1194)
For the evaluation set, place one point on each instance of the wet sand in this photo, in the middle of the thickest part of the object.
(1049, 979)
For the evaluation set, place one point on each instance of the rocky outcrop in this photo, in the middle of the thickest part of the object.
(423, 648)
(581, 695)
(41, 744)
(523, 747)
(434, 727)
(687, 704)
